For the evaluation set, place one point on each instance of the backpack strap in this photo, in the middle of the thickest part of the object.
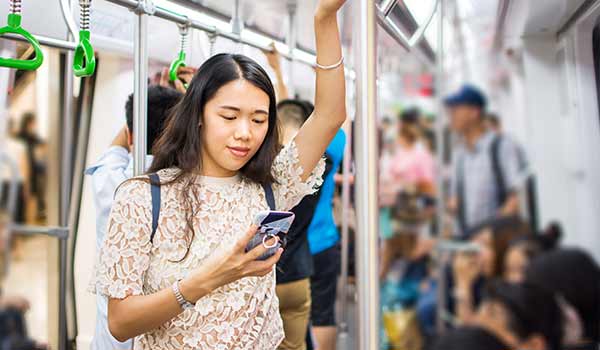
(461, 196)
(269, 196)
(497, 170)
(155, 193)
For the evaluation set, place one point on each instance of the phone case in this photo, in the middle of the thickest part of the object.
(271, 223)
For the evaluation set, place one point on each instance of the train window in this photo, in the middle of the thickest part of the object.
(596, 48)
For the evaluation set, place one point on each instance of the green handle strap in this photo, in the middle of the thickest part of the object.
(14, 27)
(84, 62)
(178, 62)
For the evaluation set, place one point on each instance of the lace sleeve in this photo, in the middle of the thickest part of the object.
(290, 189)
(125, 254)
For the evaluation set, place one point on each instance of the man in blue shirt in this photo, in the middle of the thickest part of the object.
(114, 167)
(323, 238)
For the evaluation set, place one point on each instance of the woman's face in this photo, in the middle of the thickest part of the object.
(487, 254)
(233, 128)
(514, 265)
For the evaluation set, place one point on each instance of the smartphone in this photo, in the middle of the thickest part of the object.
(271, 224)
(458, 247)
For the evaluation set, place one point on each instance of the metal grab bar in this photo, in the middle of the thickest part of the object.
(384, 20)
(67, 13)
(184, 20)
(58, 232)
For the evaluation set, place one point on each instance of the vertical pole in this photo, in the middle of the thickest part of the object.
(65, 194)
(140, 95)
(343, 292)
(439, 130)
(291, 42)
(366, 184)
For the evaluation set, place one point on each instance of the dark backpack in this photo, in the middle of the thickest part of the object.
(530, 182)
(155, 193)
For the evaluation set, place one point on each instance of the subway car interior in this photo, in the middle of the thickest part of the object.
(300, 174)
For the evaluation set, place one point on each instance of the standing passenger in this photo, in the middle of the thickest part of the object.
(113, 167)
(217, 159)
(296, 265)
(323, 240)
(476, 193)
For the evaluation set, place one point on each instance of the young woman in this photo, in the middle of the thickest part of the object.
(471, 271)
(574, 277)
(521, 315)
(524, 249)
(193, 286)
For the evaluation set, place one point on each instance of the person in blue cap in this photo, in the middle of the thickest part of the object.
(488, 169)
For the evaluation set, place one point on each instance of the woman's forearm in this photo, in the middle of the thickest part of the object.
(282, 90)
(135, 315)
(330, 94)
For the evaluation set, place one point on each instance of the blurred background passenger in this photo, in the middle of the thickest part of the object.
(522, 315)
(523, 249)
(574, 277)
(469, 338)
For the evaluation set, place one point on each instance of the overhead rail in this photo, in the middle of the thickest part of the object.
(14, 27)
(45, 41)
(168, 15)
(67, 13)
(383, 18)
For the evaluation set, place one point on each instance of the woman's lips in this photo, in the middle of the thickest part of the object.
(239, 152)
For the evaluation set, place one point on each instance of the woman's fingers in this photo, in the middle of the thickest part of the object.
(242, 242)
(164, 77)
(261, 249)
(262, 268)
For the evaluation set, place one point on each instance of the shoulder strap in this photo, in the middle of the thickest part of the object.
(461, 195)
(497, 169)
(269, 196)
(155, 192)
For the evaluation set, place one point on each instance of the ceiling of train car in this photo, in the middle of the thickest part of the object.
(267, 16)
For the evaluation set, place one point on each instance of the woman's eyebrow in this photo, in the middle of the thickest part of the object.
(237, 109)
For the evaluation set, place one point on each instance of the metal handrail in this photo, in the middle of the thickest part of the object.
(383, 13)
(67, 13)
(182, 19)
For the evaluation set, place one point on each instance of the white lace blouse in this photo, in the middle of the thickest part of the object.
(241, 315)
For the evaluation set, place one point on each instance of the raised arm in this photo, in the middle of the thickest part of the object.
(274, 59)
(330, 92)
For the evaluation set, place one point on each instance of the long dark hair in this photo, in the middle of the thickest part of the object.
(575, 275)
(180, 143)
(531, 309)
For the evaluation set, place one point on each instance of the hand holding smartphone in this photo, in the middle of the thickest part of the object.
(271, 224)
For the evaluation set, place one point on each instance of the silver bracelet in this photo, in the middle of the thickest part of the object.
(333, 66)
(185, 305)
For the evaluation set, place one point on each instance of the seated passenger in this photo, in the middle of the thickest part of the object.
(219, 164)
(522, 315)
(574, 277)
(524, 249)
(471, 270)
(469, 338)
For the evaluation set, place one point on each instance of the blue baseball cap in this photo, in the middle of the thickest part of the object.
(467, 95)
